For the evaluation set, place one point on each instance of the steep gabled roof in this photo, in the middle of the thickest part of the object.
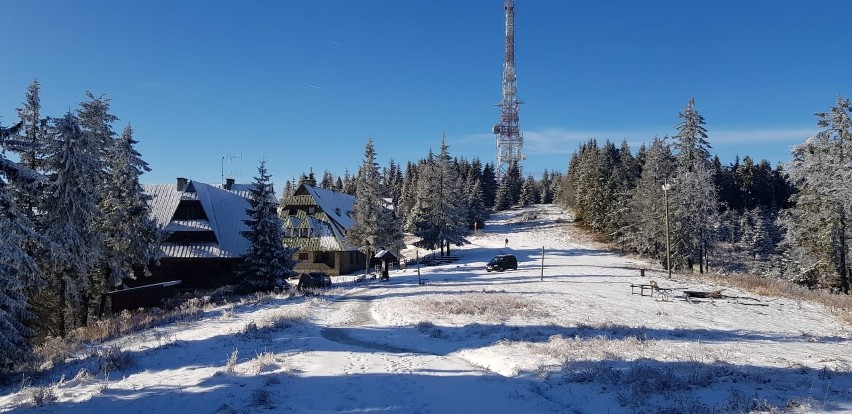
(336, 205)
(225, 211)
(329, 223)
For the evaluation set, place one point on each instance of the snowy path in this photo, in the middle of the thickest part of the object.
(384, 377)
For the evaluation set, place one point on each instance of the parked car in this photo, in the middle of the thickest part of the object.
(313, 280)
(502, 262)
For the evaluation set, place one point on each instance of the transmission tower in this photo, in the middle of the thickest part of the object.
(508, 132)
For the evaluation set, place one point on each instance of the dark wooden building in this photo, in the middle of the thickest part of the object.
(204, 246)
(315, 221)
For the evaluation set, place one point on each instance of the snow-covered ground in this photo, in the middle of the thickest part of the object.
(471, 341)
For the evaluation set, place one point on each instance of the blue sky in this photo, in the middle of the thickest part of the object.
(304, 83)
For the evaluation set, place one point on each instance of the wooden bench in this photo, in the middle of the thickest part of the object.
(653, 288)
(642, 288)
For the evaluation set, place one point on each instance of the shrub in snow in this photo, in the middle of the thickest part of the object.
(112, 358)
(40, 396)
(231, 365)
(264, 361)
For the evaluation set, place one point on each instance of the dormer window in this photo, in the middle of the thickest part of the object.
(311, 210)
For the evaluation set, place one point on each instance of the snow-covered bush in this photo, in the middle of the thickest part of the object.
(113, 358)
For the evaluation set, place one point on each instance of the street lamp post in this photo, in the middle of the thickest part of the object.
(666, 188)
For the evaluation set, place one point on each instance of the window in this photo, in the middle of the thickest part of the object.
(303, 256)
(312, 210)
(189, 210)
(303, 233)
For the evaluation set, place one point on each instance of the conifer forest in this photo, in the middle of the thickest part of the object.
(76, 223)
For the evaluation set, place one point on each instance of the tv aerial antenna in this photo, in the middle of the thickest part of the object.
(230, 158)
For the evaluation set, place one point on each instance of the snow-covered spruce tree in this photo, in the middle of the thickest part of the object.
(408, 193)
(514, 182)
(477, 213)
(621, 182)
(130, 235)
(268, 262)
(374, 227)
(95, 118)
(348, 183)
(30, 145)
(694, 216)
(503, 200)
(529, 192)
(338, 185)
(17, 268)
(546, 190)
(690, 142)
(694, 209)
(489, 184)
(327, 180)
(590, 175)
(392, 183)
(818, 227)
(439, 216)
(71, 208)
(645, 231)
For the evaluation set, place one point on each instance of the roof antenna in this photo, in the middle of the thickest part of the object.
(231, 158)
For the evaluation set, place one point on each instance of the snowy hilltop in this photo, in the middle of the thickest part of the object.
(576, 328)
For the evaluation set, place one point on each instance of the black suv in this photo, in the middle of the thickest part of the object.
(313, 280)
(502, 262)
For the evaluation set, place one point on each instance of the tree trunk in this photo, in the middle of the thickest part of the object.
(842, 267)
(448, 248)
(62, 305)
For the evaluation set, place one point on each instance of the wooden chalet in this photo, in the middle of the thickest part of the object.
(315, 221)
(204, 247)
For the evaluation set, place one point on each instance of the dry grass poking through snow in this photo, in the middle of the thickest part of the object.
(488, 306)
(840, 305)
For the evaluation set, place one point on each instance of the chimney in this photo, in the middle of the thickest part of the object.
(181, 183)
(229, 183)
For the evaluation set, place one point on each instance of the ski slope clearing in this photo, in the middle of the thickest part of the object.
(467, 340)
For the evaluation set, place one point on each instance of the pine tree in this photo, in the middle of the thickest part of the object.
(130, 235)
(645, 232)
(439, 216)
(546, 195)
(327, 180)
(29, 143)
(514, 182)
(694, 214)
(348, 183)
(71, 207)
(489, 185)
(374, 225)
(408, 194)
(477, 213)
(690, 143)
(503, 200)
(17, 268)
(529, 192)
(268, 262)
(818, 226)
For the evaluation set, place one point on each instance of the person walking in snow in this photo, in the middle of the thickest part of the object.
(506, 243)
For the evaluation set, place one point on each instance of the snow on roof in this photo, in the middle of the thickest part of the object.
(225, 212)
(335, 205)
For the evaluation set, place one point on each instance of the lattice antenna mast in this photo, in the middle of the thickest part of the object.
(510, 141)
(230, 158)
